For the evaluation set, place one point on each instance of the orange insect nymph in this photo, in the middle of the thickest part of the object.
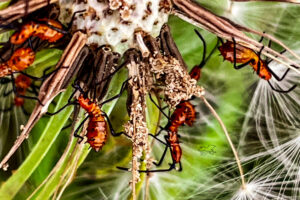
(243, 54)
(21, 59)
(176, 151)
(195, 73)
(43, 31)
(21, 36)
(22, 84)
(46, 33)
(97, 127)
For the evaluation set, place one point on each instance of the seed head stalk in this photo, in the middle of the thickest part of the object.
(238, 161)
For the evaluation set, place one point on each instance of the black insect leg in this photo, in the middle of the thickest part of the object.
(159, 108)
(7, 109)
(282, 91)
(68, 104)
(112, 131)
(204, 49)
(43, 77)
(258, 63)
(113, 73)
(124, 85)
(24, 111)
(165, 150)
(78, 128)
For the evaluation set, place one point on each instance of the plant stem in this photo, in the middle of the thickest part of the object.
(238, 161)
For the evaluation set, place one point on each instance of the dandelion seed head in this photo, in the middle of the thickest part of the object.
(114, 22)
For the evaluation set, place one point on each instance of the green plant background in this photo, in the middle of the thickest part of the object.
(228, 90)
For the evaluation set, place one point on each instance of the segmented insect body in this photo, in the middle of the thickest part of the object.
(42, 29)
(173, 141)
(21, 59)
(97, 127)
(195, 73)
(22, 83)
(245, 55)
(184, 114)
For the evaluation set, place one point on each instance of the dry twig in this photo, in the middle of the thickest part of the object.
(137, 126)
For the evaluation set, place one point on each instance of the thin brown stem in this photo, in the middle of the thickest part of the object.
(238, 161)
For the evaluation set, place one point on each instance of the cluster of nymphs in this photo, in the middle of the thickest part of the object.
(111, 28)
(20, 59)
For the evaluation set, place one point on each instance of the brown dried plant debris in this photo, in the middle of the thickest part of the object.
(136, 127)
(178, 85)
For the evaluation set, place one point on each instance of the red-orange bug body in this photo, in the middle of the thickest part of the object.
(176, 151)
(21, 59)
(97, 127)
(195, 73)
(41, 30)
(184, 114)
(244, 55)
(22, 84)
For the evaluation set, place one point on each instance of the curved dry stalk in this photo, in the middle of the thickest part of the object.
(17, 10)
(199, 16)
(60, 161)
(72, 173)
(54, 85)
(72, 165)
(238, 161)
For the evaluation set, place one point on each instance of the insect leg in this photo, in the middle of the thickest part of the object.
(43, 77)
(78, 128)
(110, 75)
(7, 109)
(204, 48)
(124, 85)
(7, 93)
(24, 111)
(172, 166)
(258, 64)
(159, 108)
(72, 19)
(164, 153)
(282, 91)
(112, 131)
(68, 104)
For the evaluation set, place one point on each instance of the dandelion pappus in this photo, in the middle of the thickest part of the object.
(21, 59)
(237, 53)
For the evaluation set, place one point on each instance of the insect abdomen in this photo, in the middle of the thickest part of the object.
(97, 133)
